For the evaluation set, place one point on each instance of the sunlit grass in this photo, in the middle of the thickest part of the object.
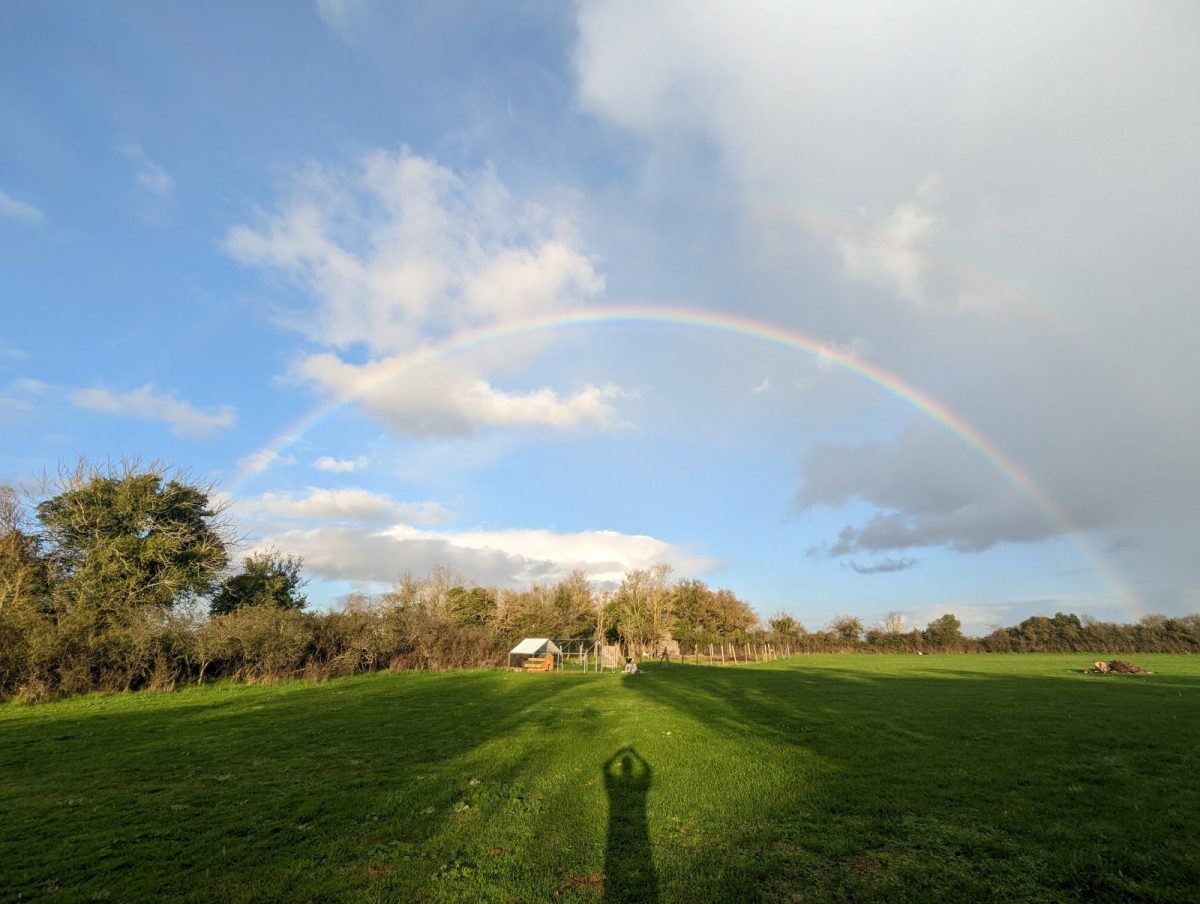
(824, 777)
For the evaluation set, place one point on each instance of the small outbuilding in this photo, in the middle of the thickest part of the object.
(535, 654)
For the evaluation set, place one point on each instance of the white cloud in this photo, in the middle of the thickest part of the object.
(260, 460)
(763, 387)
(155, 179)
(340, 15)
(19, 210)
(340, 465)
(149, 175)
(892, 253)
(399, 251)
(508, 558)
(596, 552)
(11, 353)
(342, 505)
(443, 400)
(18, 396)
(356, 553)
(399, 248)
(145, 403)
(978, 621)
(858, 348)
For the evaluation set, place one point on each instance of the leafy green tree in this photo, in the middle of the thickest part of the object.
(574, 604)
(694, 609)
(132, 537)
(943, 632)
(732, 615)
(266, 579)
(999, 641)
(700, 613)
(1069, 630)
(476, 606)
(1035, 634)
(1067, 622)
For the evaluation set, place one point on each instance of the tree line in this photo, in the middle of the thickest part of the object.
(123, 577)
(1065, 632)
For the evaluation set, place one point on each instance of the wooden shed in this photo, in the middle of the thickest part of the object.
(535, 654)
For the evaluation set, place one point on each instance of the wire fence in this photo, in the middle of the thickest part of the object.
(599, 656)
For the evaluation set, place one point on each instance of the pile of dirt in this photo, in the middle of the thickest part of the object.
(1117, 667)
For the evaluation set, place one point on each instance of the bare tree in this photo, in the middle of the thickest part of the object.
(642, 604)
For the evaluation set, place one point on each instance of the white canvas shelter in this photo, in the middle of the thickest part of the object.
(534, 646)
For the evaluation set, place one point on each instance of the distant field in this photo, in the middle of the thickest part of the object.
(890, 778)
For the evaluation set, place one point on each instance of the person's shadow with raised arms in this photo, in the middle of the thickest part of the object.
(629, 872)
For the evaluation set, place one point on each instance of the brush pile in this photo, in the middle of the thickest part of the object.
(1117, 667)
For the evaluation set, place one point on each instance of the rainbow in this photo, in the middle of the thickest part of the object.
(467, 340)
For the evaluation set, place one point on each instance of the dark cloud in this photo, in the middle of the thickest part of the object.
(927, 490)
(1042, 292)
(1121, 544)
(882, 566)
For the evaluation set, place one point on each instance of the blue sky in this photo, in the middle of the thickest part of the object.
(216, 219)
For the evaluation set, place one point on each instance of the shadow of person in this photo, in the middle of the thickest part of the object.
(629, 872)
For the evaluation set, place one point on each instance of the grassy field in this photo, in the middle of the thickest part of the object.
(890, 778)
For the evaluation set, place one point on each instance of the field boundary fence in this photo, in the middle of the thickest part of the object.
(599, 656)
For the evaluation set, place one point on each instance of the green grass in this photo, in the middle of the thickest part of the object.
(848, 778)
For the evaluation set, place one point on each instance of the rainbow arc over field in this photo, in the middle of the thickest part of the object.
(894, 385)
